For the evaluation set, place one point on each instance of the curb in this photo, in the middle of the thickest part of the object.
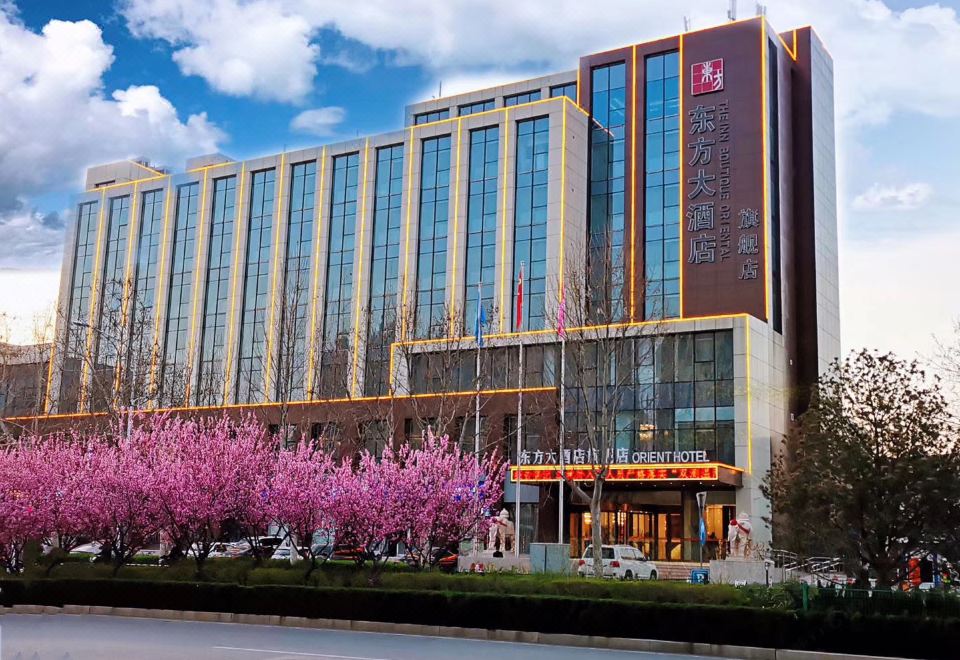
(525, 637)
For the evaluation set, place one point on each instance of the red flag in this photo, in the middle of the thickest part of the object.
(562, 317)
(520, 299)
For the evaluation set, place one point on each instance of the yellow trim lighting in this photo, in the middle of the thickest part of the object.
(311, 365)
(764, 124)
(358, 285)
(92, 314)
(132, 238)
(275, 280)
(238, 226)
(633, 186)
(683, 261)
(159, 299)
(749, 399)
(563, 196)
(405, 314)
(197, 280)
(456, 232)
(123, 184)
(503, 220)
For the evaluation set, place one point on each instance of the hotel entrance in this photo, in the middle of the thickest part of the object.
(663, 524)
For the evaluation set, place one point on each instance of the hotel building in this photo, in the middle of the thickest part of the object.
(687, 185)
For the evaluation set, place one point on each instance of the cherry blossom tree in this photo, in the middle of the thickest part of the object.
(368, 512)
(305, 489)
(20, 520)
(447, 494)
(201, 471)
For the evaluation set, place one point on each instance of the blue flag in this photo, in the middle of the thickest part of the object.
(703, 533)
(481, 321)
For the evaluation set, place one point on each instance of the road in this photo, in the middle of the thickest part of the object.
(69, 637)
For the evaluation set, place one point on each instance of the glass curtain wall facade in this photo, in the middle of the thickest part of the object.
(213, 333)
(606, 211)
(176, 336)
(681, 395)
(252, 357)
(481, 248)
(335, 353)
(662, 188)
(384, 269)
(433, 225)
(81, 284)
(109, 336)
(530, 220)
(143, 301)
(292, 354)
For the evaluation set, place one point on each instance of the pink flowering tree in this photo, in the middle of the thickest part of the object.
(447, 495)
(368, 510)
(200, 471)
(305, 489)
(122, 509)
(20, 520)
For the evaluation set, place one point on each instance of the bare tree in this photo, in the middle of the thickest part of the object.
(602, 350)
(24, 370)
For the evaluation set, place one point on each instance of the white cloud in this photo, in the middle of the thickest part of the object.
(886, 60)
(321, 122)
(55, 119)
(257, 48)
(907, 197)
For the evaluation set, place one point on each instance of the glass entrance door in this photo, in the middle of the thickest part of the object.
(656, 531)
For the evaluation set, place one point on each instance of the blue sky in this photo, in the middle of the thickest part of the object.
(83, 82)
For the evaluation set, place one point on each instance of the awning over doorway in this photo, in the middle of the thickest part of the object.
(658, 473)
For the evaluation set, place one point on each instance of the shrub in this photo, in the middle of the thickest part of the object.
(774, 628)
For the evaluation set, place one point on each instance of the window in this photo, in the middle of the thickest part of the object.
(474, 108)
(530, 220)
(434, 115)
(481, 224)
(212, 370)
(429, 315)
(773, 129)
(335, 353)
(173, 375)
(567, 89)
(293, 341)
(606, 213)
(81, 284)
(251, 359)
(525, 97)
(384, 269)
(684, 395)
(662, 198)
(108, 339)
(145, 283)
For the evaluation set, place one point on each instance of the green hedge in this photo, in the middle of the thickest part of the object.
(835, 631)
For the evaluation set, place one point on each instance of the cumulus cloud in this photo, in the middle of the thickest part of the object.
(893, 198)
(270, 48)
(321, 122)
(57, 119)
(259, 48)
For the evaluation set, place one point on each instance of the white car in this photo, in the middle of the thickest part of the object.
(623, 562)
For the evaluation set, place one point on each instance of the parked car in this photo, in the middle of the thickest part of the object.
(623, 562)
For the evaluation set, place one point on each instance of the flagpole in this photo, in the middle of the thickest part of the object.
(476, 412)
(562, 331)
(516, 542)
(476, 417)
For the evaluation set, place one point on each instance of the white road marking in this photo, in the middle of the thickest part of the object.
(311, 655)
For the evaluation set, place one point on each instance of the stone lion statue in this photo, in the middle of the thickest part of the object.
(501, 533)
(738, 536)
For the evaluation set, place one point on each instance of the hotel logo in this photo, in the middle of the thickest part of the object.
(706, 77)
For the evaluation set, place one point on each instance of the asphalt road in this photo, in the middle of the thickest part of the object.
(67, 637)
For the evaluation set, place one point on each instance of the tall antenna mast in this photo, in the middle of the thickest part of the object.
(686, 23)
(732, 11)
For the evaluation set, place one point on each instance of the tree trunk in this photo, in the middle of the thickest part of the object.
(596, 529)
